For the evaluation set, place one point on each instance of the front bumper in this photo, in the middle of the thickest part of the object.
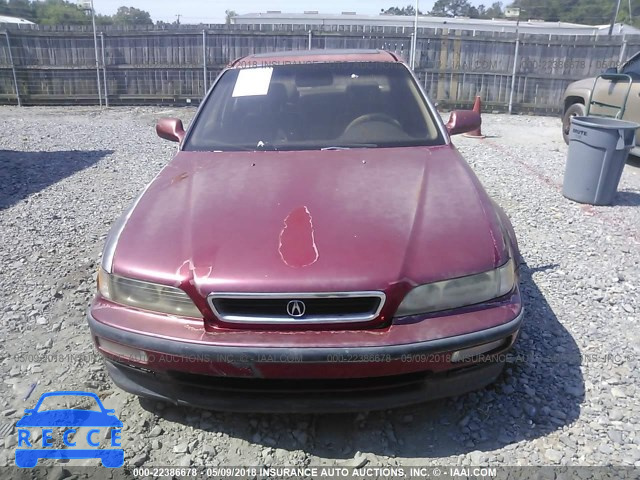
(318, 379)
(272, 396)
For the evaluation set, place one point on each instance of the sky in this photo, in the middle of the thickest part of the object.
(212, 11)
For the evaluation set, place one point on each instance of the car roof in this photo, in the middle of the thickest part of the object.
(315, 56)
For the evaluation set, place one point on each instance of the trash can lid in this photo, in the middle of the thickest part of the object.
(604, 122)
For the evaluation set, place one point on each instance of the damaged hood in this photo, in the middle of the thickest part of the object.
(360, 219)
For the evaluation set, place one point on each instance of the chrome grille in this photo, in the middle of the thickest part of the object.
(309, 307)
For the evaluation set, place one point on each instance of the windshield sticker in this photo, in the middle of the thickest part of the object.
(252, 81)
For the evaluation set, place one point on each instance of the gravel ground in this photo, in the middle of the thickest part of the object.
(570, 393)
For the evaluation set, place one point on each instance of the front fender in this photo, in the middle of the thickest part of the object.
(508, 231)
(577, 90)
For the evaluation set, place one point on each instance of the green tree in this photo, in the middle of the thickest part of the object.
(60, 12)
(104, 20)
(132, 16)
(589, 12)
(409, 10)
(454, 8)
(494, 11)
(18, 8)
(229, 14)
(549, 10)
(630, 17)
(63, 12)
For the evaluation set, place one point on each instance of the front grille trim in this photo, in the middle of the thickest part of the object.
(299, 386)
(307, 319)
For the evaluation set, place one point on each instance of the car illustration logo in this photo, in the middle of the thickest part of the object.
(296, 308)
(68, 420)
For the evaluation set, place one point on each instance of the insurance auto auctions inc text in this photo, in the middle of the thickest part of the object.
(374, 472)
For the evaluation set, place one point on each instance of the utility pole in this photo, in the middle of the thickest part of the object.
(414, 39)
(95, 47)
(615, 17)
(510, 13)
(13, 69)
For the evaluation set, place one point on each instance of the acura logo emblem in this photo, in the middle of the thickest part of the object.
(296, 308)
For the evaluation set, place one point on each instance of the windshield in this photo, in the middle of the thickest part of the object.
(314, 106)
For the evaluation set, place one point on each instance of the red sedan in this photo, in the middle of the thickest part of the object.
(317, 244)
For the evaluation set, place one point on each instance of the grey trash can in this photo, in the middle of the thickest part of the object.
(598, 150)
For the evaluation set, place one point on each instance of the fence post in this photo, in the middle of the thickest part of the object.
(412, 63)
(204, 60)
(13, 69)
(623, 50)
(513, 75)
(104, 72)
(95, 48)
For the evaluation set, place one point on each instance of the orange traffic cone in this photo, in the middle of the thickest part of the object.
(477, 107)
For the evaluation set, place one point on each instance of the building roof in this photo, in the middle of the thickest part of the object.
(424, 21)
(314, 56)
(15, 20)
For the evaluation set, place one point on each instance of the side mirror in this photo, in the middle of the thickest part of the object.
(463, 121)
(170, 129)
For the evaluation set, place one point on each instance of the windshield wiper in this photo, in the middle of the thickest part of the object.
(223, 147)
(266, 146)
(226, 147)
(347, 147)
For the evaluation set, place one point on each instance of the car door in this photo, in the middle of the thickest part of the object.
(613, 92)
(632, 112)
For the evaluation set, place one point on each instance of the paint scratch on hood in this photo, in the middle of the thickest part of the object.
(184, 272)
(297, 245)
(179, 177)
(193, 275)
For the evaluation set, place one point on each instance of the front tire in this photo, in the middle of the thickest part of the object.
(575, 110)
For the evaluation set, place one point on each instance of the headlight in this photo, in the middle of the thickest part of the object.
(146, 295)
(459, 292)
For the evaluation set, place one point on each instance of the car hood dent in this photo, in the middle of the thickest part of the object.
(358, 219)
